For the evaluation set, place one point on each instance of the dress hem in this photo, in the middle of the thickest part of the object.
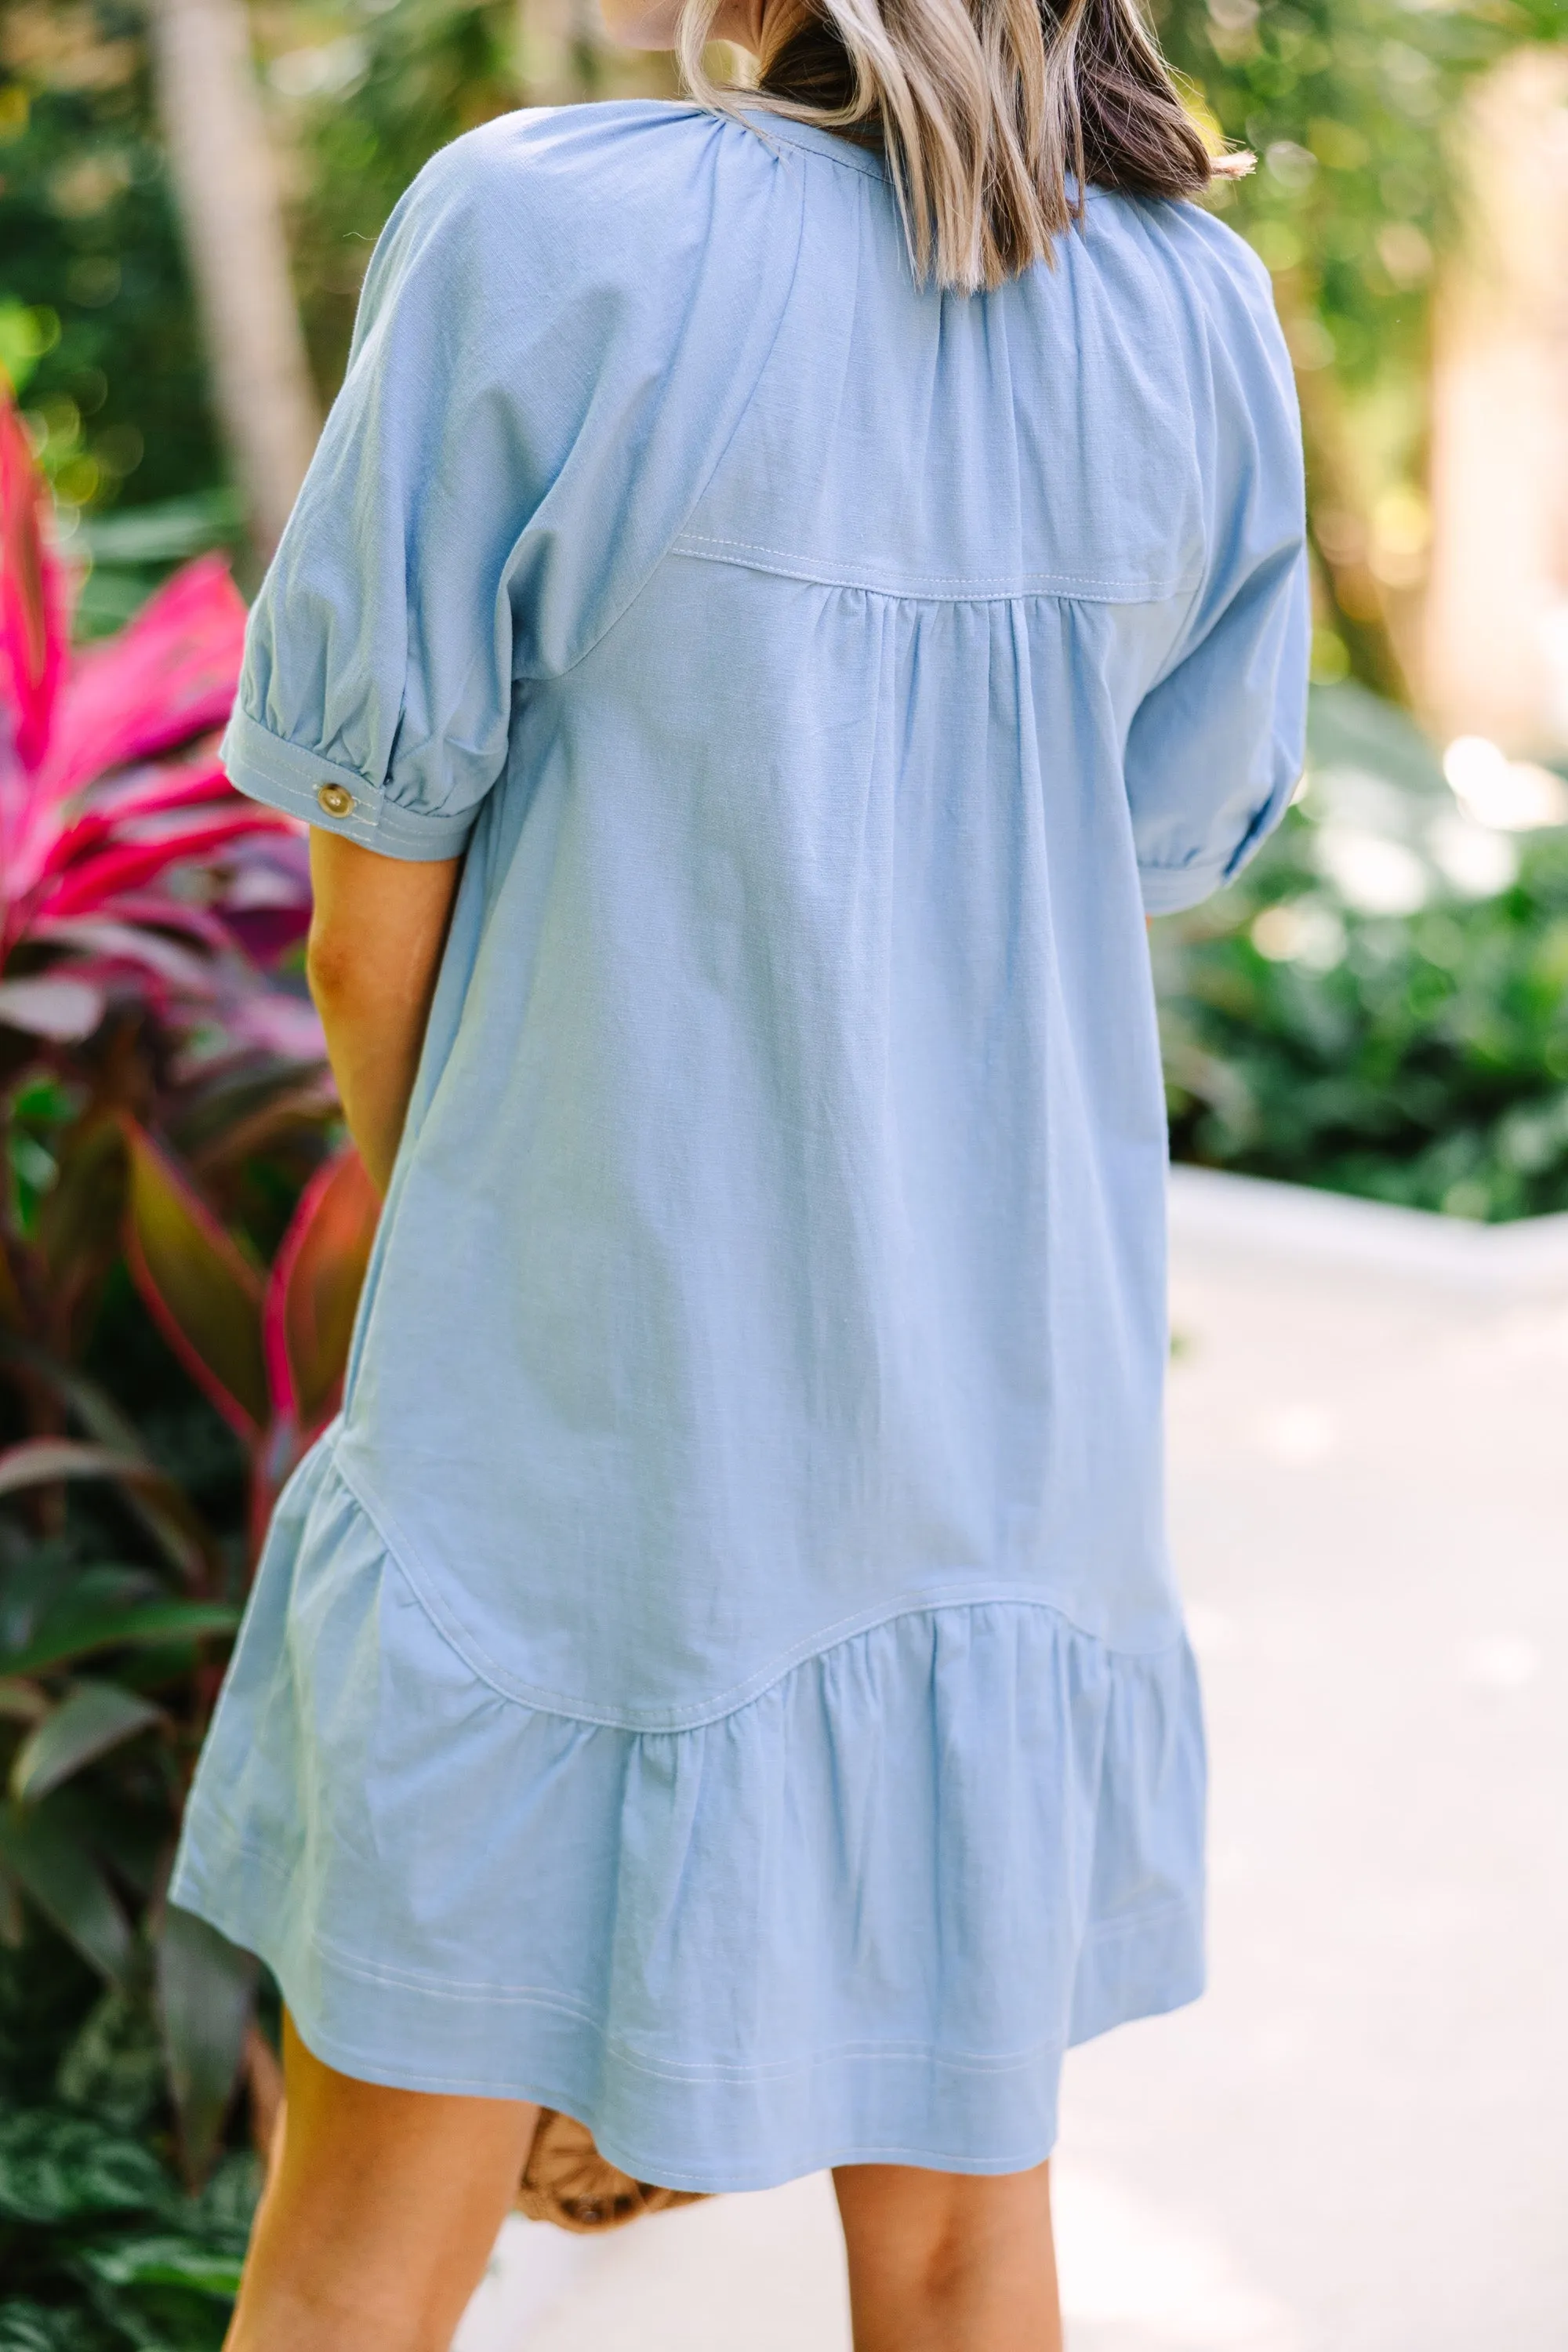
(194, 1889)
(857, 1919)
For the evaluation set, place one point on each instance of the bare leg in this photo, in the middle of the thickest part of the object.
(379, 2215)
(947, 2261)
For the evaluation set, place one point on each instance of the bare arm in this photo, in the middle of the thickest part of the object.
(376, 937)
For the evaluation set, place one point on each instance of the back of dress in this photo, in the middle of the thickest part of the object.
(762, 1353)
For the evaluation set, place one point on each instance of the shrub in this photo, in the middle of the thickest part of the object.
(1380, 1005)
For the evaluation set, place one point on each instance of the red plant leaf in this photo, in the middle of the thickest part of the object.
(157, 792)
(167, 675)
(32, 595)
(203, 1293)
(83, 887)
(313, 1290)
(165, 914)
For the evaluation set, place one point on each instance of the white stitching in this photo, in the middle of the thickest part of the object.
(950, 586)
(753, 1688)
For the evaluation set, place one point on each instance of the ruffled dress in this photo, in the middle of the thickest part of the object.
(722, 1674)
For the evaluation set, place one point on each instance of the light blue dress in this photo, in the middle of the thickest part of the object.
(722, 1675)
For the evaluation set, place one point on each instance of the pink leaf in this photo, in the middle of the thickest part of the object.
(155, 794)
(62, 1005)
(32, 595)
(288, 1027)
(159, 783)
(84, 887)
(124, 943)
(168, 674)
(166, 914)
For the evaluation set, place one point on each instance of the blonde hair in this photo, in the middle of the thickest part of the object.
(983, 109)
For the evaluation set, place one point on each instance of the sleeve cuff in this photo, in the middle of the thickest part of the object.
(265, 767)
(1171, 890)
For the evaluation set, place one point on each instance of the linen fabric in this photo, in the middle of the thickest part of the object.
(721, 1675)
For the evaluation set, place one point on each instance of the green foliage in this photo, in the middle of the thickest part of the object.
(206, 1992)
(1351, 107)
(56, 2165)
(99, 2248)
(97, 317)
(120, 2090)
(121, 2023)
(374, 100)
(1346, 107)
(95, 304)
(1417, 1056)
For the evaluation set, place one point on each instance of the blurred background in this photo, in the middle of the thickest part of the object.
(1366, 1416)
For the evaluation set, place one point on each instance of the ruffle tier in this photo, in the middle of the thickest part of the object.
(857, 1919)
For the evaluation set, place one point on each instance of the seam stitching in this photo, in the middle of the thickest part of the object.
(279, 759)
(748, 1693)
(945, 587)
(368, 1971)
(980, 580)
(764, 364)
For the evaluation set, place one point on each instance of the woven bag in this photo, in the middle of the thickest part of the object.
(567, 2182)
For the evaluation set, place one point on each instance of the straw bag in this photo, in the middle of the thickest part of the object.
(567, 2182)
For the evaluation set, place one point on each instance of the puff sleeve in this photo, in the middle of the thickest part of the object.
(376, 694)
(1217, 744)
(549, 356)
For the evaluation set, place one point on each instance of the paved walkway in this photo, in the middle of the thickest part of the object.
(1356, 2142)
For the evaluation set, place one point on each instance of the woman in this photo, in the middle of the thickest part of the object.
(789, 581)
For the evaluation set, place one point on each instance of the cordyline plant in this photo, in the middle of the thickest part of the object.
(151, 1057)
(130, 870)
(143, 906)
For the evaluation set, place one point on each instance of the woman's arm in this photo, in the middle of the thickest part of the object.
(376, 936)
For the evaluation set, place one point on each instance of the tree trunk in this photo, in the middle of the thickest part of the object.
(1497, 600)
(227, 193)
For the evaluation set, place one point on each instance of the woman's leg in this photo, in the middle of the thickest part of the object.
(379, 2215)
(948, 2262)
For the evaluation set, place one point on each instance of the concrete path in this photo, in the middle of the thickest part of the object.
(1356, 2142)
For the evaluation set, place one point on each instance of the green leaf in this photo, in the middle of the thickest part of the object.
(30, 2327)
(90, 1620)
(57, 2167)
(205, 1989)
(44, 1851)
(160, 2318)
(114, 2068)
(163, 2260)
(94, 1717)
(163, 1510)
(223, 2213)
(29, 1584)
(106, 1584)
(44, 1461)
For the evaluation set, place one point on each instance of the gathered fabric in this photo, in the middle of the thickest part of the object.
(808, 1929)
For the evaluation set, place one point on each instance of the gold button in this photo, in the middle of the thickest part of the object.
(336, 799)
